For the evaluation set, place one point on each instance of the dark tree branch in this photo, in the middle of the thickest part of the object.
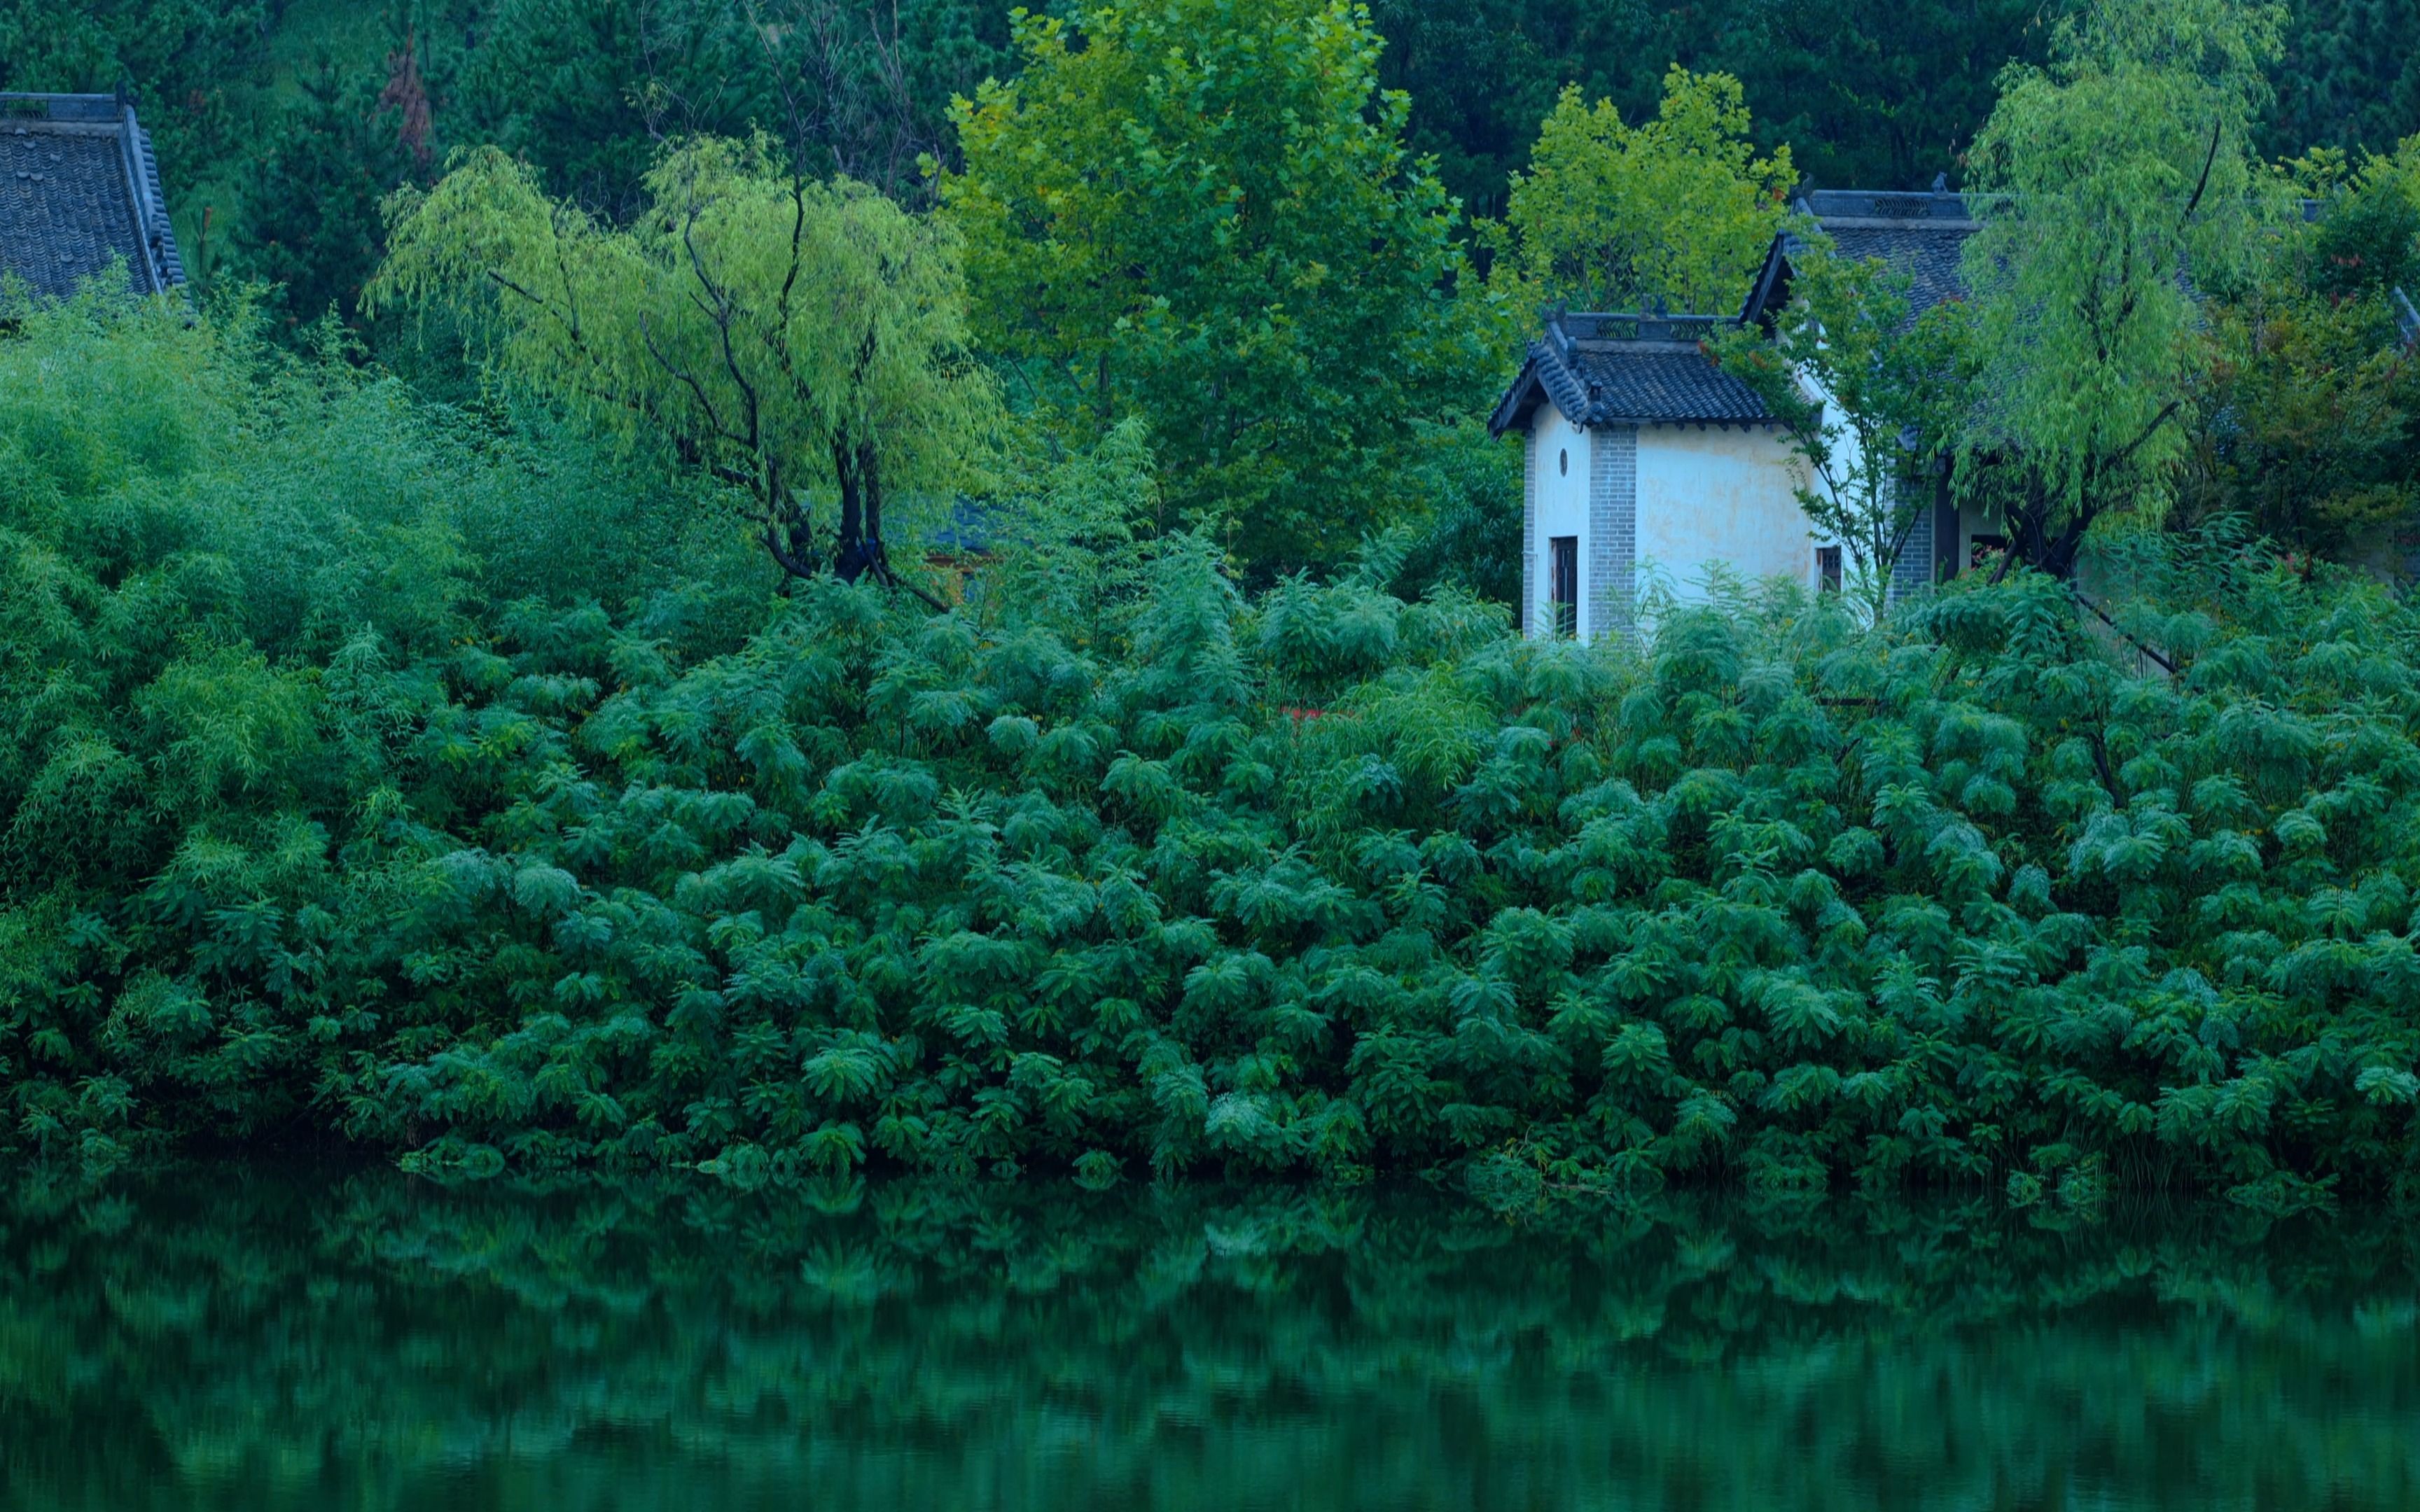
(2209, 161)
(2101, 614)
(2167, 413)
(682, 375)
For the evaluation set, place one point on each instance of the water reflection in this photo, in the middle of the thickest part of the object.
(227, 1339)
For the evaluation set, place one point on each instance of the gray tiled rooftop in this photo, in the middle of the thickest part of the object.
(79, 190)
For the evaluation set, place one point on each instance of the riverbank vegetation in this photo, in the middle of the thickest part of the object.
(324, 826)
(502, 730)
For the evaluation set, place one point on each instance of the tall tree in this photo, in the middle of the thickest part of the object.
(1863, 389)
(313, 225)
(2311, 394)
(1676, 210)
(2118, 184)
(1201, 212)
(792, 336)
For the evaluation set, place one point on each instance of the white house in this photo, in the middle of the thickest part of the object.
(1640, 450)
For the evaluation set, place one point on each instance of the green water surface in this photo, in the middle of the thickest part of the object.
(227, 1339)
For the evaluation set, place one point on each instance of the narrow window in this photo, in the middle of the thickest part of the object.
(1563, 585)
(1827, 569)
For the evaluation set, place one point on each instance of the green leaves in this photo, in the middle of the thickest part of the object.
(1201, 212)
(2114, 184)
(1077, 875)
(781, 333)
(1678, 209)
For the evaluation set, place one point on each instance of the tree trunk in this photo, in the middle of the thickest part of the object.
(851, 557)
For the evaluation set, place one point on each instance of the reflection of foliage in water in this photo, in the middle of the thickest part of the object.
(227, 1339)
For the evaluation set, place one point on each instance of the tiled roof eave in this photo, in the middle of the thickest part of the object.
(1885, 223)
(1564, 388)
(1512, 410)
(1745, 422)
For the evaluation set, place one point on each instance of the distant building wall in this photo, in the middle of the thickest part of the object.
(1526, 609)
(1728, 496)
(1913, 574)
(1561, 457)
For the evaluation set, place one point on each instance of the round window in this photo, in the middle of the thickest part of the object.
(1565, 463)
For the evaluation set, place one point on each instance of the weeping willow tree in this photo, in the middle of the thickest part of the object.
(2118, 183)
(794, 338)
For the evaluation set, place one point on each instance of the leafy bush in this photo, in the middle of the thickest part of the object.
(313, 833)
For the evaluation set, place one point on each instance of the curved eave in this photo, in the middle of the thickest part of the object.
(1543, 378)
(1513, 411)
(1772, 280)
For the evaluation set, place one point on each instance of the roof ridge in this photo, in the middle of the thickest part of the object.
(172, 262)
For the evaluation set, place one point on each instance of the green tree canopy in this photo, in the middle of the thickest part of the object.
(313, 224)
(1201, 212)
(1679, 209)
(2309, 392)
(792, 336)
(1858, 381)
(2118, 185)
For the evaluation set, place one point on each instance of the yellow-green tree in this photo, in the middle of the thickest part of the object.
(2119, 188)
(1201, 212)
(799, 339)
(1678, 209)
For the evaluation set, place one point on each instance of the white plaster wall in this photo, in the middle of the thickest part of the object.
(1728, 496)
(1849, 454)
(1563, 510)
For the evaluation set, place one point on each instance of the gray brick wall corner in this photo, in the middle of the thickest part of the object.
(1912, 574)
(1613, 528)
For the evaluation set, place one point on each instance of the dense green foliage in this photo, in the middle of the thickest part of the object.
(323, 820)
(1675, 212)
(244, 1340)
(2119, 189)
(2350, 79)
(1201, 212)
(459, 780)
(1879, 93)
(587, 90)
(2307, 400)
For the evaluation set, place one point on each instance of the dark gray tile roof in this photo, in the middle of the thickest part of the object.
(971, 529)
(1923, 236)
(1598, 370)
(1928, 253)
(1620, 369)
(80, 187)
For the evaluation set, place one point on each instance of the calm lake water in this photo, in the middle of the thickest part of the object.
(236, 1339)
